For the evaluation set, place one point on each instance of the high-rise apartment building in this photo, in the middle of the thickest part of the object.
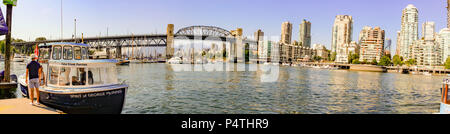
(387, 46)
(342, 32)
(286, 33)
(444, 42)
(305, 33)
(409, 30)
(427, 51)
(371, 44)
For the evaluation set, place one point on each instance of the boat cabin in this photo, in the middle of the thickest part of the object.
(69, 66)
(63, 51)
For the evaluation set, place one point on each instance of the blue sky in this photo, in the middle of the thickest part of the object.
(35, 18)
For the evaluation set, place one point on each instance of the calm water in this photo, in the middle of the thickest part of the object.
(154, 88)
(157, 89)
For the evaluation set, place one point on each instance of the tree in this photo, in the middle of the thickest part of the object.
(385, 61)
(374, 62)
(365, 61)
(352, 57)
(41, 39)
(447, 63)
(356, 61)
(397, 60)
(411, 62)
(333, 56)
(317, 58)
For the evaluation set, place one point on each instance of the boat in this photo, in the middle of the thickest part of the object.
(175, 60)
(427, 73)
(75, 84)
(18, 58)
(123, 62)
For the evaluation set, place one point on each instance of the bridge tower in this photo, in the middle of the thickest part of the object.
(237, 48)
(170, 37)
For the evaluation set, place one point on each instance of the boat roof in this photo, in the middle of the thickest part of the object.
(63, 43)
(85, 61)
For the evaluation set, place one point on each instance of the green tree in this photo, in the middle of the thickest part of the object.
(317, 58)
(374, 62)
(411, 62)
(356, 61)
(352, 57)
(397, 60)
(333, 56)
(447, 63)
(364, 61)
(41, 39)
(385, 61)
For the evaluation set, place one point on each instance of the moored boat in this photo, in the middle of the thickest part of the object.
(77, 85)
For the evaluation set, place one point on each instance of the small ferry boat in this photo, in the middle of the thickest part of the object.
(76, 85)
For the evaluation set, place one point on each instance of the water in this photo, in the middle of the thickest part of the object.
(157, 89)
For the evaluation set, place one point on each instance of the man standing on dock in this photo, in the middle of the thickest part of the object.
(34, 73)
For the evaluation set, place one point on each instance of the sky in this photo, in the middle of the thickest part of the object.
(42, 18)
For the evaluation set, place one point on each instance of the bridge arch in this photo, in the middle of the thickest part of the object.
(204, 30)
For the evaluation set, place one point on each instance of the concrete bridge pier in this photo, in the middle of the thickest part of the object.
(118, 51)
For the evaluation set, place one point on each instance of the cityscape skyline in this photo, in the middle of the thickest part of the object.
(45, 16)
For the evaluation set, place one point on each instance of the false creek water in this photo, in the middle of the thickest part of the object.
(160, 89)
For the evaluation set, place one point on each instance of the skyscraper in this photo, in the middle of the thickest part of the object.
(448, 13)
(286, 33)
(342, 32)
(428, 30)
(387, 46)
(371, 44)
(305, 33)
(444, 42)
(409, 30)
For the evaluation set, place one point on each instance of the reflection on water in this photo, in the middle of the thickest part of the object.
(157, 88)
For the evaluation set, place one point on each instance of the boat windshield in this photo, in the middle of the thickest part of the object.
(44, 53)
(82, 76)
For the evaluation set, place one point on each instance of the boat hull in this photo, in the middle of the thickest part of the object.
(99, 102)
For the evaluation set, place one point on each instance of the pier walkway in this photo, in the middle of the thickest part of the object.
(23, 106)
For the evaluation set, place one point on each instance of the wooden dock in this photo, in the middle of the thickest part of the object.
(23, 106)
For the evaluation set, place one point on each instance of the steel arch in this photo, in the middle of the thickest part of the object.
(204, 30)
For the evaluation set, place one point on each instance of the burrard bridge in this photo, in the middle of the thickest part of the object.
(204, 33)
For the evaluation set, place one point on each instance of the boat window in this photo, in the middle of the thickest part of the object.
(56, 53)
(96, 76)
(44, 53)
(64, 76)
(109, 75)
(77, 53)
(68, 54)
(82, 77)
(84, 53)
(53, 78)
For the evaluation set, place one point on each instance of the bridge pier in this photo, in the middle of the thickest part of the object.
(119, 51)
(169, 42)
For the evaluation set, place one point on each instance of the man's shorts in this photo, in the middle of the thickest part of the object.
(33, 83)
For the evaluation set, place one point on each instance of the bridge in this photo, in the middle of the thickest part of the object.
(166, 41)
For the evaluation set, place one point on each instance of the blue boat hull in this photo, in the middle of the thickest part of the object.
(24, 90)
(101, 102)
